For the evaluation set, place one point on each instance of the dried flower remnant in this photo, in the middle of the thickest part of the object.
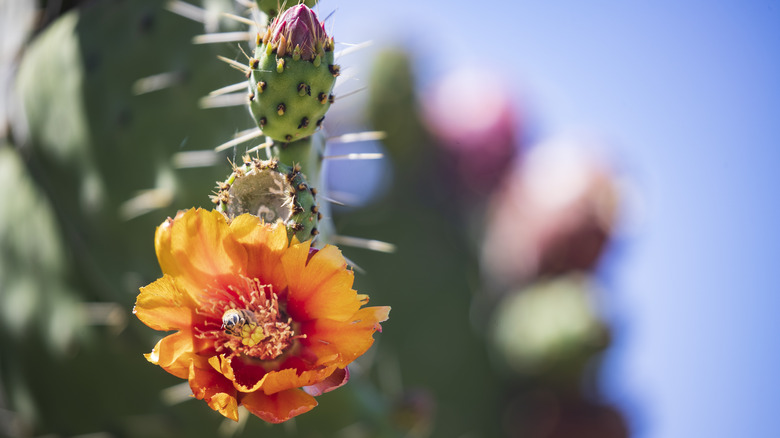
(474, 121)
(557, 211)
(261, 322)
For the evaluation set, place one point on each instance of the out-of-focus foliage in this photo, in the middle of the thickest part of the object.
(517, 336)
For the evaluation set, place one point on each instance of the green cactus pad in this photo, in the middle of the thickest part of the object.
(271, 191)
(307, 153)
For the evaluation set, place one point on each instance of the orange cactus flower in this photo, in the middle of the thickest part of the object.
(261, 322)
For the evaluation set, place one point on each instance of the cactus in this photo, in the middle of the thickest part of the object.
(290, 82)
(292, 76)
(111, 121)
(307, 153)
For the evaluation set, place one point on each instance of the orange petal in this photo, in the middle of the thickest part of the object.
(164, 306)
(334, 299)
(216, 363)
(321, 266)
(276, 381)
(247, 374)
(349, 339)
(173, 353)
(321, 288)
(264, 244)
(294, 260)
(278, 407)
(250, 375)
(213, 388)
(197, 248)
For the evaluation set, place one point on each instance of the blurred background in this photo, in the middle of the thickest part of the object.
(579, 194)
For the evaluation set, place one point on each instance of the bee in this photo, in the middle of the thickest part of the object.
(233, 320)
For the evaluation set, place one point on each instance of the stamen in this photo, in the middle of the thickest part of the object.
(251, 322)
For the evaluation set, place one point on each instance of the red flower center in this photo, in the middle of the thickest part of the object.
(248, 321)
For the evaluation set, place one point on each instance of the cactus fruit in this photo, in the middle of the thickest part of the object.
(292, 75)
(270, 190)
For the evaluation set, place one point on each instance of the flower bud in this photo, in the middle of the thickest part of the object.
(299, 27)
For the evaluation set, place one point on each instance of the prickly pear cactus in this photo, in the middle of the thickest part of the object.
(290, 80)
(117, 142)
(308, 153)
(292, 76)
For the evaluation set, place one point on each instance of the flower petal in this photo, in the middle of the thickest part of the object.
(288, 378)
(264, 244)
(278, 407)
(245, 373)
(339, 377)
(213, 388)
(350, 339)
(196, 248)
(164, 306)
(173, 353)
(321, 288)
(249, 375)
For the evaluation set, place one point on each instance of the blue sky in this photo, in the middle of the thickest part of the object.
(688, 96)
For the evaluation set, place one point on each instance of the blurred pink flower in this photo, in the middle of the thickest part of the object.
(473, 117)
(553, 215)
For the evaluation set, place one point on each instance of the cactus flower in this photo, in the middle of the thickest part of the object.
(260, 321)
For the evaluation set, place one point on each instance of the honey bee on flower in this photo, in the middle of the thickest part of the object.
(242, 323)
(234, 319)
(261, 321)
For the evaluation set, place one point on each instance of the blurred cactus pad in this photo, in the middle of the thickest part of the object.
(100, 135)
(109, 93)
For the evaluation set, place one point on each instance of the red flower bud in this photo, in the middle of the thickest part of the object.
(298, 27)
